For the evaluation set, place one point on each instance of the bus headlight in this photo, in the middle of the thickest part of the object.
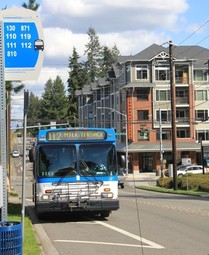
(45, 197)
(107, 195)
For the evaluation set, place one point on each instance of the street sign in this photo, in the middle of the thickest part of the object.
(21, 58)
(23, 44)
(120, 133)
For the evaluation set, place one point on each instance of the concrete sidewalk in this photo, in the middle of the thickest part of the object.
(143, 179)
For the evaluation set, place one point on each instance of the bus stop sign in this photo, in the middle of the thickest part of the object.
(23, 44)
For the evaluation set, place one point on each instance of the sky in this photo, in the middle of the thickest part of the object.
(131, 25)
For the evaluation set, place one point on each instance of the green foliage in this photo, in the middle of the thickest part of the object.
(32, 5)
(76, 80)
(195, 182)
(54, 105)
(94, 55)
(108, 58)
(99, 61)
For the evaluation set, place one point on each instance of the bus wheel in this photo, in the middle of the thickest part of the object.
(105, 214)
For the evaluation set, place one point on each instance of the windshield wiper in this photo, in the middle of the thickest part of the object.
(63, 172)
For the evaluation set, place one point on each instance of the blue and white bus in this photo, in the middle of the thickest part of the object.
(75, 169)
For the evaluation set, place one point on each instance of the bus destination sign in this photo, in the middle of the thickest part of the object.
(76, 135)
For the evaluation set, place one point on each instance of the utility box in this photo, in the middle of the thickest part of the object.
(170, 170)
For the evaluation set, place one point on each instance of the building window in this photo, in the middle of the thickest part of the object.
(182, 93)
(98, 95)
(143, 114)
(201, 95)
(143, 135)
(202, 135)
(141, 72)
(163, 95)
(166, 135)
(162, 73)
(165, 115)
(142, 94)
(182, 133)
(182, 115)
(201, 115)
(200, 75)
(181, 74)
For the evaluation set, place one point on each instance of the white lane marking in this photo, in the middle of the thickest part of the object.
(138, 238)
(102, 243)
(144, 242)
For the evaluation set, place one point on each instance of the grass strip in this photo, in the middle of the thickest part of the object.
(171, 191)
(30, 240)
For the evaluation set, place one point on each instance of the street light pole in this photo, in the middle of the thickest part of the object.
(125, 117)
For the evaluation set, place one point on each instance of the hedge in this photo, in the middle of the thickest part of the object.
(196, 182)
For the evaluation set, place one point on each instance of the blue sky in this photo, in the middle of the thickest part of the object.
(131, 25)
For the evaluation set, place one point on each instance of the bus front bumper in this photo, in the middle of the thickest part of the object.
(91, 206)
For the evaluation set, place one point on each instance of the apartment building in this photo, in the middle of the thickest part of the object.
(136, 100)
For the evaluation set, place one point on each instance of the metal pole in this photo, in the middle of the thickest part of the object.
(3, 133)
(202, 156)
(161, 143)
(173, 113)
(126, 120)
(24, 161)
(126, 144)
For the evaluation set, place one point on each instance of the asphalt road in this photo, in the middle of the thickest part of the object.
(147, 223)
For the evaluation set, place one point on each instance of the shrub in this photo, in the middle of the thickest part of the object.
(196, 182)
(165, 182)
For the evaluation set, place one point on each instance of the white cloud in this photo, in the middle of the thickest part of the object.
(112, 16)
(37, 87)
(131, 25)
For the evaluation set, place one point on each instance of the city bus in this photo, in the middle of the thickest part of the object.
(75, 169)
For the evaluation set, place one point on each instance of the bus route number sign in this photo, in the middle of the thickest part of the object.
(76, 135)
(21, 44)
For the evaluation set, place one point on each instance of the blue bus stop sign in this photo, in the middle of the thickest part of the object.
(23, 44)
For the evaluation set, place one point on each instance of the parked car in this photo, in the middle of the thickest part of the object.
(121, 178)
(15, 154)
(189, 169)
(180, 167)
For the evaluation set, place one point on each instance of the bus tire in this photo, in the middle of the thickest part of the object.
(105, 214)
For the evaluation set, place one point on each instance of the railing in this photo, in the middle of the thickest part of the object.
(182, 100)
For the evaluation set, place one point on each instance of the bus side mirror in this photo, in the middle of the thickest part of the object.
(31, 155)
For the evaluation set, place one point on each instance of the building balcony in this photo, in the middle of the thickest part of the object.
(182, 100)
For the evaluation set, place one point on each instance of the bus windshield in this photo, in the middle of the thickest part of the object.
(62, 160)
(97, 160)
(57, 160)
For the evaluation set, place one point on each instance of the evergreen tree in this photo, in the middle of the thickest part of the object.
(34, 110)
(54, 105)
(32, 5)
(99, 61)
(77, 79)
(33, 113)
(109, 57)
(94, 55)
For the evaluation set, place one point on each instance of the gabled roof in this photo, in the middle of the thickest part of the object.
(103, 81)
(150, 52)
(197, 53)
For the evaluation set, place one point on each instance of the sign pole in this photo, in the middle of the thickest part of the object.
(21, 58)
(26, 100)
(3, 147)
